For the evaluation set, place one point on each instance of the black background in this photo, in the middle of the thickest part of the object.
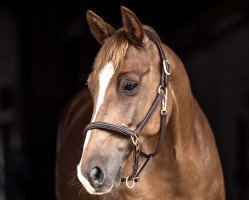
(46, 53)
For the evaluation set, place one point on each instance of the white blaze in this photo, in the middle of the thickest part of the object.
(105, 76)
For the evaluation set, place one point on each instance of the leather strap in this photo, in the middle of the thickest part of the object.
(164, 76)
(121, 129)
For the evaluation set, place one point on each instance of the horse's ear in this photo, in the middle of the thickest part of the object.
(98, 27)
(132, 26)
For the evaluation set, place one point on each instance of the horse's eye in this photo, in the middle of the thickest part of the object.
(129, 87)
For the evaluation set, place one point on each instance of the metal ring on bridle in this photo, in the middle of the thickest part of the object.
(164, 89)
(133, 182)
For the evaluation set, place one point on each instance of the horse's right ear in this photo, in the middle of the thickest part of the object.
(132, 26)
(98, 27)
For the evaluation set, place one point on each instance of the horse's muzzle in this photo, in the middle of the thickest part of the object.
(101, 174)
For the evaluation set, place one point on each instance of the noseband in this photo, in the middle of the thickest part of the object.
(134, 135)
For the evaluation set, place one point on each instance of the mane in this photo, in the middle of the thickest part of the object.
(113, 50)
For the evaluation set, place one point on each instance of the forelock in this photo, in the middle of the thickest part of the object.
(114, 50)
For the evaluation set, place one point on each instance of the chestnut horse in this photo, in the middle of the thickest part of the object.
(139, 92)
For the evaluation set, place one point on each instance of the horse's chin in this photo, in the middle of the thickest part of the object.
(114, 193)
(111, 191)
(104, 192)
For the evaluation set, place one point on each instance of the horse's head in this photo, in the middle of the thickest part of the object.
(124, 84)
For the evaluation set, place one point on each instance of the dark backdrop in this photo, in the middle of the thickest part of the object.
(46, 53)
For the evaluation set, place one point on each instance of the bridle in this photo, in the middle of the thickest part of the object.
(134, 135)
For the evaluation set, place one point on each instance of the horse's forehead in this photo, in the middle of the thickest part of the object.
(134, 52)
(134, 59)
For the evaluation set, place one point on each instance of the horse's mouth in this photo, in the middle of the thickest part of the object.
(99, 191)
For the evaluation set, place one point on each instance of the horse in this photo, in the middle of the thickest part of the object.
(145, 135)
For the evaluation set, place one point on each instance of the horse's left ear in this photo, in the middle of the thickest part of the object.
(132, 26)
(98, 27)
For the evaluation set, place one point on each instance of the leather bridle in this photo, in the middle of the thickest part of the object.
(134, 135)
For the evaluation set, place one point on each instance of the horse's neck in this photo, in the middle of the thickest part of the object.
(181, 122)
(183, 109)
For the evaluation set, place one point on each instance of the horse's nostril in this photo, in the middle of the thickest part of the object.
(96, 173)
(97, 176)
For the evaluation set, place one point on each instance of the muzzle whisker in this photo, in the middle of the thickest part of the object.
(73, 181)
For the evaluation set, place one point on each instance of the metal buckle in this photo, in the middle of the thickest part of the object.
(165, 63)
(164, 104)
(134, 139)
(163, 91)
